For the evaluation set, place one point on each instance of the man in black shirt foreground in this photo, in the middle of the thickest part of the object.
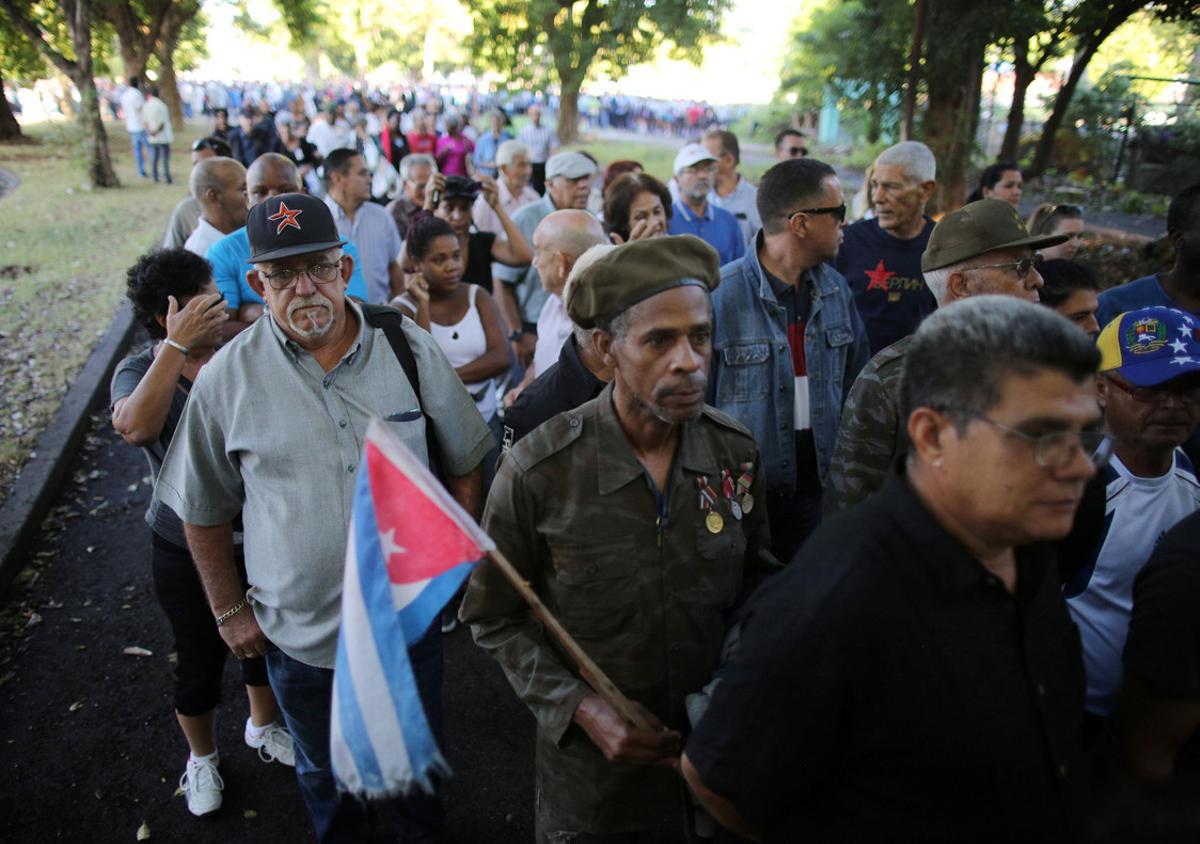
(914, 675)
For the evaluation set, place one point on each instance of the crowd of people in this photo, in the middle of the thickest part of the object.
(886, 527)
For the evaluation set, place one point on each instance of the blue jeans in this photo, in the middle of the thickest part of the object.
(141, 145)
(162, 152)
(305, 695)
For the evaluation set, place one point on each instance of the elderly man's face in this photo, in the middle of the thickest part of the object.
(518, 172)
(662, 360)
(570, 193)
(1154, 419)
(899, 199)
(1022, 501)
(696, 181)
(311, 307)
(1005, 272)
(549, 261)
(414, 186)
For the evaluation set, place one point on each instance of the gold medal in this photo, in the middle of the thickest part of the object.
(714, 522)
(747, 503)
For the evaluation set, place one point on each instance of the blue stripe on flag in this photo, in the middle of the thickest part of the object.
(353, 725)
(418, 615)
(390, 641)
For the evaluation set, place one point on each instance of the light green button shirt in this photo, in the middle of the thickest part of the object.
(268, 433)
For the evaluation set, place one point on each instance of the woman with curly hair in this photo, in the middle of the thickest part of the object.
(175, 300)
(636, 206)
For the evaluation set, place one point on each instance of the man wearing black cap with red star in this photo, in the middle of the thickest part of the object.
(274, 431)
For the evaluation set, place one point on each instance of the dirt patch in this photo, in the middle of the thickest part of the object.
(8, 181)
(15, 271)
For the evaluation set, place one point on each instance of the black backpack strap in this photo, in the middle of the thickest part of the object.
(391, 322)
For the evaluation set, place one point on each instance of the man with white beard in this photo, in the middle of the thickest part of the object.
(273, 431)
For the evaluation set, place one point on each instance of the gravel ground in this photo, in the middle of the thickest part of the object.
(89, 748)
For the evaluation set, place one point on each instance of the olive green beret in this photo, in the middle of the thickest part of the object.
(638, 270)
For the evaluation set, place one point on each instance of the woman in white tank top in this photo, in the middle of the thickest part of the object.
(463, 318)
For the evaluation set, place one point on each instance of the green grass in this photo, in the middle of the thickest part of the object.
(77, 244)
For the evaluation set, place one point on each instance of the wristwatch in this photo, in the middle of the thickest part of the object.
(516, 335)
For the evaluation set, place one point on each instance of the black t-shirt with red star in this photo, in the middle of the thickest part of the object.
(884, 273)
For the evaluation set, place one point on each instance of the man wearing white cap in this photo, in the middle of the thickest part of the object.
(695, 170)
(568, 185)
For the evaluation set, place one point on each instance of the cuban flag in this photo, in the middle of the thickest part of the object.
(410, 546)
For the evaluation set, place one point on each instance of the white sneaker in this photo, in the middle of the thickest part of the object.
(202, 784)
(274, 744)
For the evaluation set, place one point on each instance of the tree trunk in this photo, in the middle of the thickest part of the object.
(168, 87)
(568, 106)
(10, 129)
(914, 71)
(953, 79)
(1045, 145)
(95, 139)
(1024, 75)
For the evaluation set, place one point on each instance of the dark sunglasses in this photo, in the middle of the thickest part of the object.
(838, 212)
(1068, 210)
(1021, 265)
(794, 151)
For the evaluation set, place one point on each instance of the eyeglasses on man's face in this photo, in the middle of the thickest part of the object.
(1186, 390)
(837, 211)
(1022, 265)
(322, 272)
(1058, 449)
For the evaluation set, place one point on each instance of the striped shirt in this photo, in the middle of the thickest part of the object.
(541, 140)
(374, 232)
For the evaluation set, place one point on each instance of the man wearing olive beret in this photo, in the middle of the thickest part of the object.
(635, 517)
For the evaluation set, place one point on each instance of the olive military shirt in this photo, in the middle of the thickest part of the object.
(644, 590)
(268, 433)
(871, 434)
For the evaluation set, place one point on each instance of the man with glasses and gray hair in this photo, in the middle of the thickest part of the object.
(1149, 389)
(953, 708)
(979, 249)
(416, 169)
(274, 431)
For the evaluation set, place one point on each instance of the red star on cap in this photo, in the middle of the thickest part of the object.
(287, 217)
(879, 277)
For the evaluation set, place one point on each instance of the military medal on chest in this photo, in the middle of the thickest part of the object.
(708, 497)
(727, 490)
(743, 487)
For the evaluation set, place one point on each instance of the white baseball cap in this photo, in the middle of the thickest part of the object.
(692, 154)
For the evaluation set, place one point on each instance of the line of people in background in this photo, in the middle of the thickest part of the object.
(895, 369)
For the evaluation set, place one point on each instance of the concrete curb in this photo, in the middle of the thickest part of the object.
(35, 488)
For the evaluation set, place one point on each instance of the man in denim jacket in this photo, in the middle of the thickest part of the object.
(788, 341)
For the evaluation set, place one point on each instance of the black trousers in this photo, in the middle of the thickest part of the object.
(538, 179)
(199, 648)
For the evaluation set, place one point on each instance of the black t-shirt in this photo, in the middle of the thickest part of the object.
(1163, 646)
(797, 302)
(564, 386)
(888, 688)
(479, 260)
(884, 273)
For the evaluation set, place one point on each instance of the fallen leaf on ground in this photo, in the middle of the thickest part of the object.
(143, 833)
(179, 792)
(74, 706)
(249, 813)
(134, 650)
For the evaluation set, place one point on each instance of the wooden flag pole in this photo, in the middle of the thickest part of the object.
(591, 672)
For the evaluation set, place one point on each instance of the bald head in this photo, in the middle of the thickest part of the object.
(558, 242)
(270, 175)
(219, 185)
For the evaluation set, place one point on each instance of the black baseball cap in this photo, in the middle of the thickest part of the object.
(461, 186)
(290, 224)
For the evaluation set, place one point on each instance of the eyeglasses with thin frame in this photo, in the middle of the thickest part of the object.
(1187, 392)
(322, 272)
(838, 212)
(1022, 265)
(1057, 449)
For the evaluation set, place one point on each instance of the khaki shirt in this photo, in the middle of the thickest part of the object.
(872, 433)
(268, 433)
(575, 512)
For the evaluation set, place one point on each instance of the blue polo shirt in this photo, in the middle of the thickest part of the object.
(1132, 296)
(230, 258)
(717, 227)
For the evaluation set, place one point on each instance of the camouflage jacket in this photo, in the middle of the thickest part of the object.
(871, 434)
(575, 512)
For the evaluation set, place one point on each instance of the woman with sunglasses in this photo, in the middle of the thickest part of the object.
(1059, 219)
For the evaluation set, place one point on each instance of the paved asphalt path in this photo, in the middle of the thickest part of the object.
(89, 747)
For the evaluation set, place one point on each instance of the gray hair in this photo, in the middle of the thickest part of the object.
(938, 281)
(962, 353)
(913, 157)
(509, 150)
(408, 162)
(209, 175)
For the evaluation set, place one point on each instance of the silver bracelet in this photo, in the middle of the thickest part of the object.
(178, 346)
(231, 612)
